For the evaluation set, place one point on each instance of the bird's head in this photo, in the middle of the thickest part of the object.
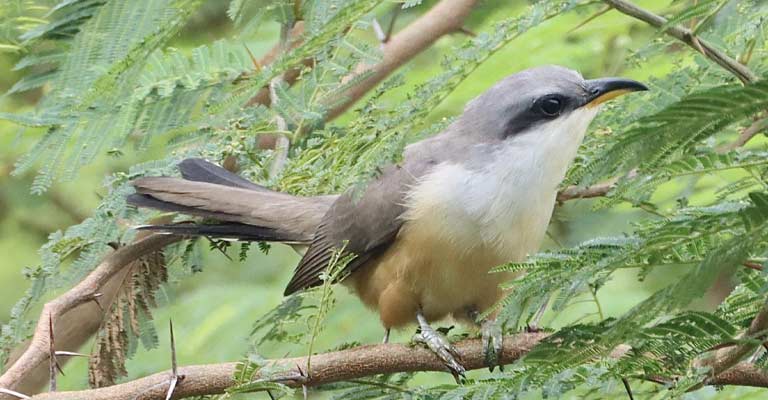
(549, 100)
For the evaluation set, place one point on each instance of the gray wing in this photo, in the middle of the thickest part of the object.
(368, 223)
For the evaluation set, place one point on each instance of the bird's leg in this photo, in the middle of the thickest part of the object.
(386, 336)
(492, 337)
(440, 346)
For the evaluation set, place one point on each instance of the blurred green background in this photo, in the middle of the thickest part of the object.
(213, 310)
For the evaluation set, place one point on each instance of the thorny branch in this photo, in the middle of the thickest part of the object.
(688, 37)
(38, 350)
(729, 357)
(347, 365)
(700, 45)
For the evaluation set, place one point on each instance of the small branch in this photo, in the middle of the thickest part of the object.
(38, 350)
(746, 135)
(443, 18)
(686, 36)
(282, 143)
(731, 356)
(752, 265)
(576, 192)
(627, 388)
(330, 367)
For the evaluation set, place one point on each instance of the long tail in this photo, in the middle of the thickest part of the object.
(242, 210)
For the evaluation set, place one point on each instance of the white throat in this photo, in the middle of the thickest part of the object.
(507, 203)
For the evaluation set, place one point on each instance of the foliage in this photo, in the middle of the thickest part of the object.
(113, 80)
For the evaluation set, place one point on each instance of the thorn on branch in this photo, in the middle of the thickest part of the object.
(53, 364)
(14, 393)
(590, 19)
(627, 388)
(255, 61)
(305, 378)
(379, 32)
(175, 377)
(466, 31)
(391, 27)
(95, 299)
(685, 35)
(695, 43)
(71, 354)
(752, 265)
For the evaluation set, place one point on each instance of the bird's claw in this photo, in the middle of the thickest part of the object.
(492, 337)
(439, 345)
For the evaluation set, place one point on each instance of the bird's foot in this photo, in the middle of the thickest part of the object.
(492, 337)
(439, 345)
(532, 328)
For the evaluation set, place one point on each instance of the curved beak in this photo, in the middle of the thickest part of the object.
(604, 89)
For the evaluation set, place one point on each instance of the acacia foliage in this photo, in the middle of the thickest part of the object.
(113, 82)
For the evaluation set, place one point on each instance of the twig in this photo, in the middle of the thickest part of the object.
(752, 265)
(443, 18)
(686, 36)
(627, 388)
(746, 135)
(590, 18)
(282, 145)
(576, 192)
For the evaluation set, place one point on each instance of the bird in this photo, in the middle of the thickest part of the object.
(423, 233)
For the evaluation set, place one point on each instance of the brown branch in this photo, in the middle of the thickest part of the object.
(729, 357)
(443, 18)
(686, 36)
(24, 374)
(348, 365)
(702, 46)
(746, 135)
(330, 367)
(576, 192)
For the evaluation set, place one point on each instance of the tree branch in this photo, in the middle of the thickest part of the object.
(443, 18)
(688, 37)
(727, 358)
(746, 135)
(17, 376)
(576, 192)
(347, 365)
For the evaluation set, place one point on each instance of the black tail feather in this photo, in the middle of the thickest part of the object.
(145, 200)
(199, 170)
(221, 231)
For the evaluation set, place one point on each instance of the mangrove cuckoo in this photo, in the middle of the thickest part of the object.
(426, 231)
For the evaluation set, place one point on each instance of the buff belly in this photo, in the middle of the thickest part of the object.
(420, 272)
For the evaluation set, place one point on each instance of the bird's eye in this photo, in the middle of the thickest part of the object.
(550, 106)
